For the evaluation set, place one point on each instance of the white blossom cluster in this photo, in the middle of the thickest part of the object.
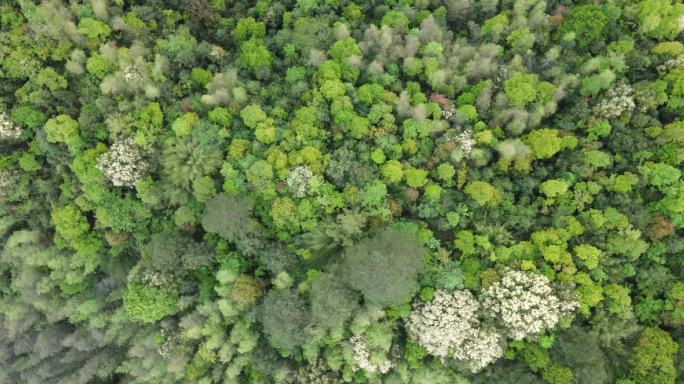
(362, 357)
(479, 349)
(444, 322)
(298, 179)
(317, 373)
(449, 112)
(8, 130)
(169, 345)
(134, 74)
(680, 22)
(677, 62)
(465, 141)
(448, 324)
(8, 178)
(524, 303)
(216, 53)
(617, 100)
(167, 282)
(124, 163)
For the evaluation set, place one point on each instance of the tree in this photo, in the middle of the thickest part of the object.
(228, 216)
(255, 54)
(520, 89)
(578, 349)
(443, 323)
(285, 319)
(589, 254)
(185, 161)
(124, 164)
(332, 303)
(415, 177)
(484, 193)
(659, 18)
(284, 213)
(384, 268)
(62, 129)
(588, 22)
(149, 304)
(653, 359)
(544, 142)
(249, 28)
(524, 303)
(246, 290)
(553, 188)
(169, 251)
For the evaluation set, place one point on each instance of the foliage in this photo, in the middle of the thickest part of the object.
(148, 304)
(285, 319)
(652, 361)
(228, 216)
(483, 193)
(588, 22)
(384, 268)
(403, 191)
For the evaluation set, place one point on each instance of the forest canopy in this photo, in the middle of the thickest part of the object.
(338, 191)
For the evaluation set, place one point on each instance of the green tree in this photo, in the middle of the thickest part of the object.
(553, 188)
(384, 268)
(544, 142)
(332, 303)
(70, 222)
(392, 171)
(589, 254)
(252, 115)
(653, 359)
(249, 28)
(415, 177)
(100, 65)
(228, 216)
(246, 290)
(62, 129)
(149, 304)
(588, 22)
(202, 76)
(520, 89)
(285, 319)
(284, 213)
(659, 19)
(94, 28)
(484, 193)
(254, 54)
(222, 116)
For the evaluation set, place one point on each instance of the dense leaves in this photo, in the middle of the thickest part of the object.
(325, 191)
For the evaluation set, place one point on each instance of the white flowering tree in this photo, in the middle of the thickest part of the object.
(444, 322)
(298, 179)
(365, 360)
(8, 130)
(524, 303)
(617, 100)
(480, 348)
(124, 164)
(448, 325)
